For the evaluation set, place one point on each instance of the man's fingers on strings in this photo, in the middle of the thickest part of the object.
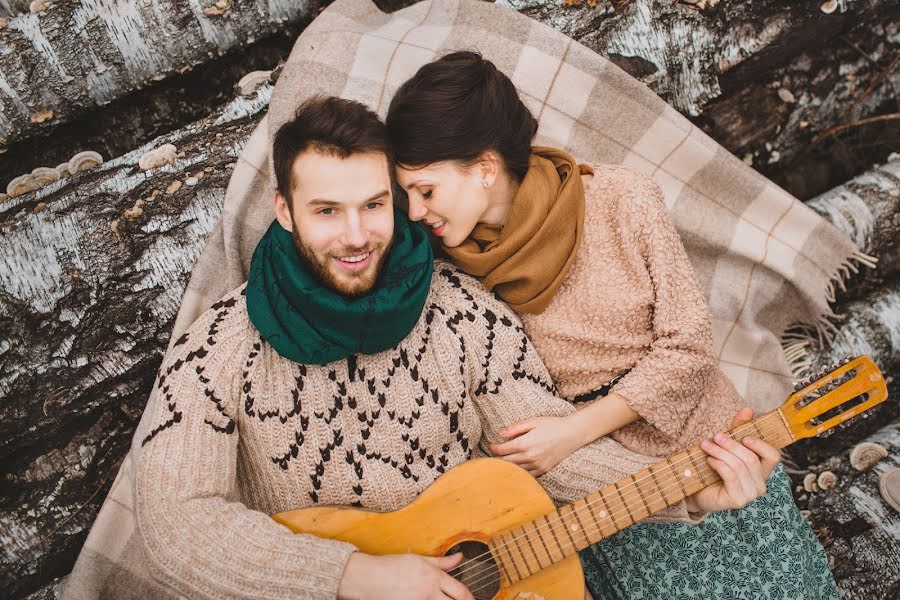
(455, 589)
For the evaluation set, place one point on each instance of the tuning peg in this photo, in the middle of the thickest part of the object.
(846, 360)
(826, 434)
(802, 384)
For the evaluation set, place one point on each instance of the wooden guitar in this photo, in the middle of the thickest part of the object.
(518, 545)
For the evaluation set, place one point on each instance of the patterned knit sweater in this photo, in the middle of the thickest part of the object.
(631, 303)
(240, 433)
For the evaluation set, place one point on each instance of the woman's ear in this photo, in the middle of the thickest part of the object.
(283, 212)
(488, 167)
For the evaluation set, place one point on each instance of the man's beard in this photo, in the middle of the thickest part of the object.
(351, 285)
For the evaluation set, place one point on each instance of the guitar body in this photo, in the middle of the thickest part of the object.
(516, 543)
(473, 502)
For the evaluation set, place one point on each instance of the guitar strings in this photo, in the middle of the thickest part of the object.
(597, 528)
(662, 483)
(665, 485)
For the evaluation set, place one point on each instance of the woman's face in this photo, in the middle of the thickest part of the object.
(449, 198)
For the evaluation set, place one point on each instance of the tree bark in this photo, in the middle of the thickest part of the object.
(859, 530)
(88, 307)
(88, 298)
(764, 78)
(867, 209)
(869, 327)
(77, 55)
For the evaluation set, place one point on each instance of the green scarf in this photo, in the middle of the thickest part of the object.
(311, 324)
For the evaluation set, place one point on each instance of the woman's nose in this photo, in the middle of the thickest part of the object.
(417, 210)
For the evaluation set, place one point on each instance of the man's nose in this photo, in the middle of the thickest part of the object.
(417, 210)
(355, 235)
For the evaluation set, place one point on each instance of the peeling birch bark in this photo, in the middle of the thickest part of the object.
(762, 78)
(82, 54)
(859, 530)
(88, 300)
(867, 209)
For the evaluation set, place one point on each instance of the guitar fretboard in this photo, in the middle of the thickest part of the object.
(536, 545)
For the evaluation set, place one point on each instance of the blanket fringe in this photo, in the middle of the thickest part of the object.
(797, 340)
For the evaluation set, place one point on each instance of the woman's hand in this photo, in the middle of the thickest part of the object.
(744, 467)
(539, 444)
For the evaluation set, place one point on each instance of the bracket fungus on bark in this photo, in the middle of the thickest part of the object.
(865, 455)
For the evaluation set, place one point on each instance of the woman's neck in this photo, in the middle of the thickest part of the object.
(500, 200)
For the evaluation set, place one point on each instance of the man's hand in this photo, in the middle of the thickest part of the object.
(401, 576)
(539, 444)
(744, 467)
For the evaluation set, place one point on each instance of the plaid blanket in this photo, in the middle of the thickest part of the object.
(766, 261)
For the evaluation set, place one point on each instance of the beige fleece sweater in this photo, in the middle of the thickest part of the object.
(240, 433)
(631, 303)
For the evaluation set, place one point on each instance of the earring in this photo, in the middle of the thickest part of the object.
(484, 183)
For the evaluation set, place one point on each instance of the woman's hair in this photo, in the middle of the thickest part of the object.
(330, 126)
(457, 107)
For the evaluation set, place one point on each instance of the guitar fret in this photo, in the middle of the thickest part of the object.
(528, 536)
(697, 469)
(516, 535)
(512, 559)
(547, 547)
(563, 519)
(501, 564)
(604, 513)
(555, 524)
(640, 495)
(624, 502)
(599, 535)
(661, 488)
(646, 477)
(579, 526)
(684, 492)
(758, 432)
(615, 511)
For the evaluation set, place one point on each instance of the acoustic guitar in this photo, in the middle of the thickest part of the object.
(517, 544)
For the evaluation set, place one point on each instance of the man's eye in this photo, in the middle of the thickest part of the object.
(373, 205)
(427, 195)
(326, 211)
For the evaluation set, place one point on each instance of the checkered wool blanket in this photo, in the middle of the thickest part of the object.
(765, 260)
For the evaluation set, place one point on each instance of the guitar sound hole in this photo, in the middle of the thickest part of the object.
(478, 571)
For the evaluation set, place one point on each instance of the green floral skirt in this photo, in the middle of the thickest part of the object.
(764, 550)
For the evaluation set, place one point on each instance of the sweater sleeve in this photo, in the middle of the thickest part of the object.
(666, 386)
(200, 540)
(509, 383)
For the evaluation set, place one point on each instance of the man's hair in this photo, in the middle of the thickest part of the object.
(330, 126)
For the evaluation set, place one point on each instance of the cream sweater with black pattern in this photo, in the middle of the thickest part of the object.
(240, 433)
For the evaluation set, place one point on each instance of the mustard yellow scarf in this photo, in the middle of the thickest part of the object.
(526, 260)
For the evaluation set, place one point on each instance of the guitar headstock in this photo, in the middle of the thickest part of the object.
(833, 396)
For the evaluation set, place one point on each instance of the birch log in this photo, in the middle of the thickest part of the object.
(871, 326)
(762, 78)
(859, 530)
(66, 57)
(867, 208)
(92, 272)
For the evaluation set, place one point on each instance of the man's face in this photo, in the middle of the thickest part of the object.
(342, 219)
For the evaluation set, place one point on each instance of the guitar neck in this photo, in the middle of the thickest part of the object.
(533, 546)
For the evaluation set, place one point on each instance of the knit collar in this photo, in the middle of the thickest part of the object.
(309, 323)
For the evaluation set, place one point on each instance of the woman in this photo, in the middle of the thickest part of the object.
(586, 256)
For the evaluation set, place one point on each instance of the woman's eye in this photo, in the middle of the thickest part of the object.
(427, 195)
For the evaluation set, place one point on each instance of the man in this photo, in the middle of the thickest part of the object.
(350, 370)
